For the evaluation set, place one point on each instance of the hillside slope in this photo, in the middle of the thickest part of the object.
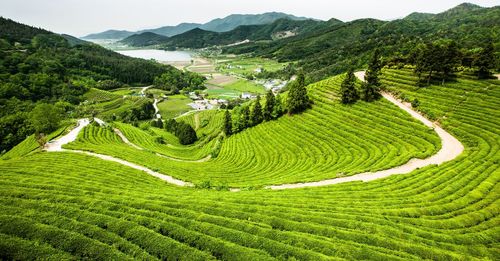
(65, 205)
(144, 39)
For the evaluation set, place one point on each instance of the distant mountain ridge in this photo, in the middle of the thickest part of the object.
(225, 24)
(200, 38)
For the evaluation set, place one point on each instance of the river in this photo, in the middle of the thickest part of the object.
(158, 55)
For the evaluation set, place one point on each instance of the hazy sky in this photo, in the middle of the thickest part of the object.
(80, 17)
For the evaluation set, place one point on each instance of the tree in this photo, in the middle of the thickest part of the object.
(228, 124)
(485, 61)
(269, 107)
(298, 100)
(41, 139)
(348, 89)
(244, 118)
(371, 86)
(45, 118)
(185, 133)
(278, 107)
(440, 57)
(257, 112)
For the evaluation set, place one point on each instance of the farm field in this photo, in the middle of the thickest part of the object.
(325, 142)
(245, 65)
(68, 205)
(174, 106)
(234, 89)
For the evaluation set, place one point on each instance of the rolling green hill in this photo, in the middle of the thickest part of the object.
(66, 205)
(144, 39)
(109, 34)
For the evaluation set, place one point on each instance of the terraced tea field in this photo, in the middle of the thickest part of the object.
(63, 205)
(329, 141)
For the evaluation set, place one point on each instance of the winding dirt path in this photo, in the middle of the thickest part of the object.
(56, 146)
(450, 149)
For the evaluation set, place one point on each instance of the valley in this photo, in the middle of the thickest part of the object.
(264, 136)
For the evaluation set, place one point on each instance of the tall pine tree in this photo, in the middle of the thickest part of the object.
(371, 86)
(228, 123)
(348, 89)
(257, 112)
(278, 107)
(298, 100)
(244, 121)
(269, 107)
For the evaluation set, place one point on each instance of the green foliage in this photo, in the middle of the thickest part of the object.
(176, 80)
(256, 115)
(109, 85)
(184, 132)
(228, 123)
(267, 113)
(278, 109)
(339, 46)
(144, 111)
(298, 100)
(440, 57)
(144, 39)
(348, 89)
(45, 118)
(371, 86)
(485, 61)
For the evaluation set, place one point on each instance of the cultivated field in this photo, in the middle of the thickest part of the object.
(63, 205)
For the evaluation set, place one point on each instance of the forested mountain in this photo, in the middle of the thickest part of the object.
(172, 30)
(144, 39)
(217, 25)
(231, 22)
(332, 50)
(109, 34)
(282, 28)
(40, 67)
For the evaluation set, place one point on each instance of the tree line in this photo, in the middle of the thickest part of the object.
(247, 116)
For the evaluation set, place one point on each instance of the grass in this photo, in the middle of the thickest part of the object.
(174, 106)
(243, 85)
(244, 65)
(67, 205)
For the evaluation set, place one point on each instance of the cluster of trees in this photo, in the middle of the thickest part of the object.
(144, 111)
(440, 59)
(370, 88)
(183, 131)
(297, 101)
(177, 80)
(251, 115)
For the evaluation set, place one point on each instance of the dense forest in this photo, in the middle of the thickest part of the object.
(37, 66)
(334, 49)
